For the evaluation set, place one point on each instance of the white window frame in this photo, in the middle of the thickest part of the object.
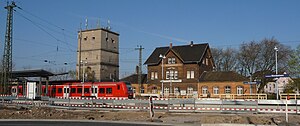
(167, 91)
(176, 91)
(190, 90)
(171, 75)
(192, 74)
(239, 90)
(167, 75)
(188, 74)
(171, 60)
(204, 90)
(227, 90)
(155, 75)
(152, 75)
(216, 90)
(175, 74)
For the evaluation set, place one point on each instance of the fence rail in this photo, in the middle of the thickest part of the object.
(162, 104)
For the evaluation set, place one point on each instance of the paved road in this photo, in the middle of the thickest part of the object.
(71, 123)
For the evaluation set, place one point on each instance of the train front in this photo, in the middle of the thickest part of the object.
(129, 90)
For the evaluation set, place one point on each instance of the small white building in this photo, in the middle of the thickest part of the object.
(270, 87)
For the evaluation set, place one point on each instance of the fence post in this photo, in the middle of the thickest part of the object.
(194, 105)
(69, 103)
(296, 107)
(2, 100)
(168, 104)
(221, 107)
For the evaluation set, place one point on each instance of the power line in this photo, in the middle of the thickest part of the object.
(41, 28)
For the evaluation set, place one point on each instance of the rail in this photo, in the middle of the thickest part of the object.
(290, 96)
(235, 96)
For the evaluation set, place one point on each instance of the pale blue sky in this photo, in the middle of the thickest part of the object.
(38, 33)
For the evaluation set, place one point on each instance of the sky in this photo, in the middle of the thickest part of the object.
(47, 29)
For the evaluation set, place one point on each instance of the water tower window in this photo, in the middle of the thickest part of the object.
(113, 41)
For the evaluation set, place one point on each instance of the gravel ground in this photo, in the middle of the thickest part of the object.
(142, 116)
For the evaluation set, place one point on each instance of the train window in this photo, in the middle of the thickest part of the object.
(79, 90)
(118, 87)
(73, 90)
(108, 90)
(102, 90)
(59, 90)
(86, 90)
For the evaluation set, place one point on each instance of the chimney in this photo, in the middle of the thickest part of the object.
(171, 45)
(137, 69)
(192, 43)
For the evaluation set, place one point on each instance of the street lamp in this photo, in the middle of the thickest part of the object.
(162, 73)
(276, 71)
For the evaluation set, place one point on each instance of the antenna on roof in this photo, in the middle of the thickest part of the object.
(108, 25)
(86, 23)
(98, 23)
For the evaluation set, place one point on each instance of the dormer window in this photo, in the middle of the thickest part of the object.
(171, 61)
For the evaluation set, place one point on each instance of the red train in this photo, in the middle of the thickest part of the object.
(77, 89)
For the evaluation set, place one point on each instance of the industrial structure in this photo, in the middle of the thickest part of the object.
(98, 55)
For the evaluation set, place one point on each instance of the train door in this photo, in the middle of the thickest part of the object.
(66, 91)
(94, 91)
(31, 90)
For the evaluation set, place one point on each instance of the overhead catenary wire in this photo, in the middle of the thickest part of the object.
(44, 30)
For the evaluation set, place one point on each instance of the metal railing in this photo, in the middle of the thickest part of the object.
(162, 104)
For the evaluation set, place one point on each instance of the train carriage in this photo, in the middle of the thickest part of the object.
(78, 89)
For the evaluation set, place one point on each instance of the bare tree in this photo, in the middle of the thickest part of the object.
(225, 60)
(217, 56)
(229, 59)
(248, 57)
(259, 58)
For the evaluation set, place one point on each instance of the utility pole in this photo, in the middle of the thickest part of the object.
(79, 51)
(140, 48)
(7, 55)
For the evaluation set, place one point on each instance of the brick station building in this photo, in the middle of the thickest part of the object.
(187, 71)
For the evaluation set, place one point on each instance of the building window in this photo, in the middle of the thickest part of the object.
(176, 91)
(240, 90)
(93, 38)
(204, 90)
(227, 90)
(172, 74)
(190, 90)
(155, 75)
(152, 75)
(171, 61)
(85, 38)
(190, 75)
(167, 91)
(216, 90)
(142, 90)
(112, 41)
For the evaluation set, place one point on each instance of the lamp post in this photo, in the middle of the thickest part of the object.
(162, 73)
(276, 71)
